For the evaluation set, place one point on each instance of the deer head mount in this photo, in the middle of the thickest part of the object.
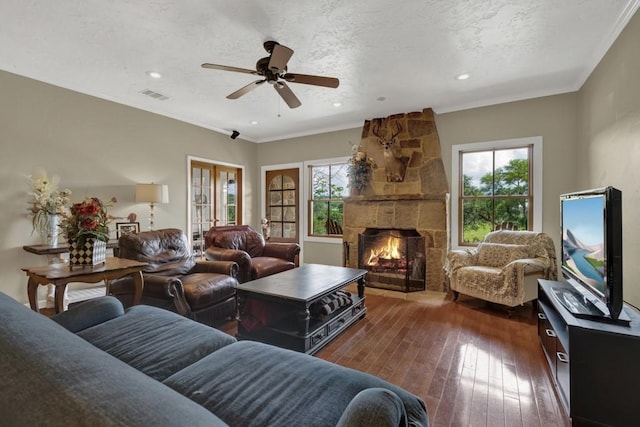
(394, 164)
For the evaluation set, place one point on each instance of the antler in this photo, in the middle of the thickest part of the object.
(376, 131)
(395, 134)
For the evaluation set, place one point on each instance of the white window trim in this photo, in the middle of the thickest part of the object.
(307, 195)
(535, 141)
(189, 198)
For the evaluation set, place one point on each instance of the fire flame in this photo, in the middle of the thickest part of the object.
(388, 251)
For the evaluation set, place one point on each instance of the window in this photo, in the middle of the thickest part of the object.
(328, 183)
(496, 186)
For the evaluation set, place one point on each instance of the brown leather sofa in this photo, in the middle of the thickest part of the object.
(201, 290)
(256, 257)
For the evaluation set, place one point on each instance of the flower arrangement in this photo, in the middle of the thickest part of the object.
(360, 167)
(48, 200)
(87, 220)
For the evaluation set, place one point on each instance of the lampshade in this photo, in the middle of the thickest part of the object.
(152, 193)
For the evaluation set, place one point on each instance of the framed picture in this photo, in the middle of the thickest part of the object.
(123, 228)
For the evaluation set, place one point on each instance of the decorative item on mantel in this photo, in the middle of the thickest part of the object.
(86, 229)
(48, 205)
(360, 169)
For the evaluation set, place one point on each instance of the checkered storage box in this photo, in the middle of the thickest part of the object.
(93, 252)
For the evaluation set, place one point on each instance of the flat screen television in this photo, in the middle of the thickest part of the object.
(592, 253)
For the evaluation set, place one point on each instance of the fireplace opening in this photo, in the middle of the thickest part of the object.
(395, 259)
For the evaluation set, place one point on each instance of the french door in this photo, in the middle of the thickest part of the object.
(282, 203)
(216, 199)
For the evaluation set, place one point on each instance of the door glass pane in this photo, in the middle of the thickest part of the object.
(288, 183)
(289, 213)
(276, 229)
(275, 198)
(276, 214)
(289, 197)
(289, 230)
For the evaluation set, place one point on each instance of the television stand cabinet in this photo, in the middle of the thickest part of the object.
(595, 365)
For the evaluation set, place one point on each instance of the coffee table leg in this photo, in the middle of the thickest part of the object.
(361, 287)
(303, 321)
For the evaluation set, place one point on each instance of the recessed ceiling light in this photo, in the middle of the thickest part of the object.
(337, 104)
(154, 74)
(463, 76)
(254, 122)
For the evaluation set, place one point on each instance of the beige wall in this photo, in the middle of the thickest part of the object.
(608, 152)
(97, 148)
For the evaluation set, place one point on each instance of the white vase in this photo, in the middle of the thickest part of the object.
(50, 230)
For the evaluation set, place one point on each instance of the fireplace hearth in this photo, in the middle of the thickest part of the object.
(395, 259)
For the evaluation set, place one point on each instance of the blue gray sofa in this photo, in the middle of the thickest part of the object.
(100, 365)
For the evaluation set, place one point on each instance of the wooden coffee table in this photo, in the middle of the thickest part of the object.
(287, 297)
(60, 275)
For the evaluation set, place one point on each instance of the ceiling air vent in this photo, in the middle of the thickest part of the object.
(155, 95)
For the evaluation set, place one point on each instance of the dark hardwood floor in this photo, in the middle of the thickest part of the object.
(472, 365)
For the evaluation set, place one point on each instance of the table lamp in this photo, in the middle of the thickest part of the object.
(152, 194)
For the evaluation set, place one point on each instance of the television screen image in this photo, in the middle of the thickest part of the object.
(583, 244)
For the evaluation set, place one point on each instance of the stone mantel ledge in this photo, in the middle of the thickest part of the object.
(394, 197)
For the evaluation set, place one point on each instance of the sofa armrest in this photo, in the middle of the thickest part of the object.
(459, 258)
(89, 313)
(230, 268)
(374, 407)
(240, 257)
(286, 251)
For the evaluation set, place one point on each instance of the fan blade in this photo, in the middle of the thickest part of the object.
(286, 94)
(237, 94)
(227, 68)
(279, 58)
(312, 80)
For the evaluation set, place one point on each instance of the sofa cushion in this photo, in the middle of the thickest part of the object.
(253, 384)
(52, 377)
(500, 254)
(156, 342)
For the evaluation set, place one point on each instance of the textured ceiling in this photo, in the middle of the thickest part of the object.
(390, 56)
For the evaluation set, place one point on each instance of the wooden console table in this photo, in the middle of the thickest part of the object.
(60, 275)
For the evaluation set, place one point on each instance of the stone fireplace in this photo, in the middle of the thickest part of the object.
(414, 201)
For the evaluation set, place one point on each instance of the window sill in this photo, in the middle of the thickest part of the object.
(314, 239)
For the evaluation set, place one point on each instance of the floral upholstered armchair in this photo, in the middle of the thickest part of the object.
(504, 267)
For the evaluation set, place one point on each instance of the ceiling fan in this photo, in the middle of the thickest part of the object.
(274, 70)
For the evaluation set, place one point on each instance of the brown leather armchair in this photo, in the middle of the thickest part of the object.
(256, 258)
(201, 290)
